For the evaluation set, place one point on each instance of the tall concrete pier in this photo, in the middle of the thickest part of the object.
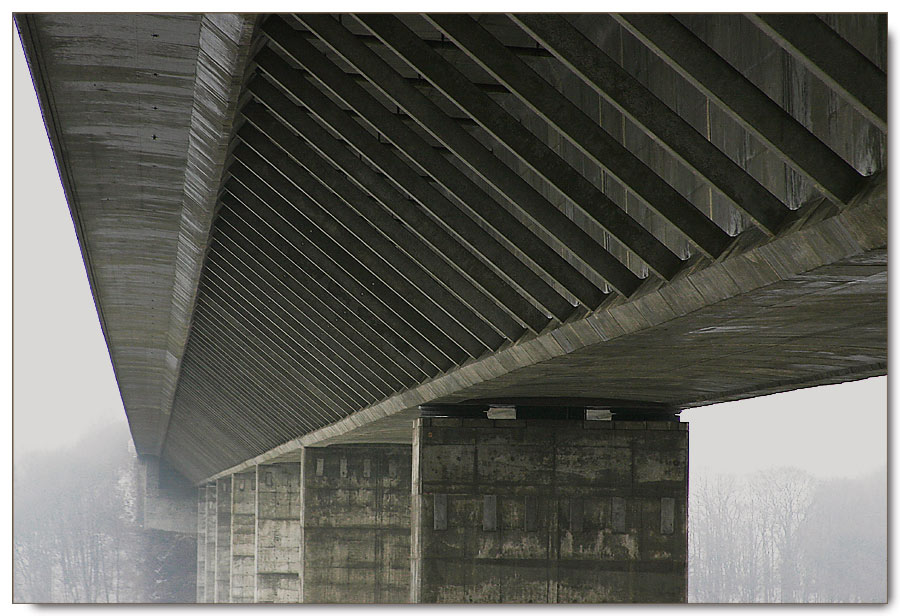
(308, 236)
(356, 524)
(543, 511)
(278, 533)
(242, 586)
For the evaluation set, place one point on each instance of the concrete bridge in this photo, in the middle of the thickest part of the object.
(415, 301)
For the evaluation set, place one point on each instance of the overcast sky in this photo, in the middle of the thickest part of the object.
(64, 383)
(63, 379)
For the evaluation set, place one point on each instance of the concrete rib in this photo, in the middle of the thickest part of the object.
(375, 182)
(302, 292)
(545, 100)
(423, 291)
(204, 390)
(333, 150)
(642, 107)
(254, 282)
(744, 102)
(451, 179)
(286, 339)
(230, 360)
(483, 162)
(350, 373)
(330, 268)
(235, 342)
(290, 203)
(358, 316)
(831, 58)
(250, 352)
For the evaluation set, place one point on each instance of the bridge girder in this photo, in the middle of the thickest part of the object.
(299, 228)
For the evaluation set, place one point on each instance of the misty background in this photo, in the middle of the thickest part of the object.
(787, 492)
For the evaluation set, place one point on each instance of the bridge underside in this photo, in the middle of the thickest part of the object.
(692, 343)
(298, 229)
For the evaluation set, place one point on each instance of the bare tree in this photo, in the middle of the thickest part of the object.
(74, 529)
(845, 540)
(782, 536)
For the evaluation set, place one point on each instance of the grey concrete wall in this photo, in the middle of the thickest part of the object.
(201, 544)
(223, 541)
(356, 524)
(210, 543)
(243, 537)
(549, 512)
(278, 533)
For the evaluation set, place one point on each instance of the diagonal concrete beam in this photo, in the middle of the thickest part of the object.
(744, 102)
(500, 125)
(479, 158)
(292, 284)
(364, 223)
(278, 208)
(831, 58)
(643, 108)
(249, 282)
(353, 254)
(449, 177)
(395, 203)
(299, 268)
(551, 105)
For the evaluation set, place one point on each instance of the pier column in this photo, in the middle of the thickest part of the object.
(201, 544)
(547, 511)
(210, 544)
(243, 537)
(356, 524)
(223, 540)
(278, 533)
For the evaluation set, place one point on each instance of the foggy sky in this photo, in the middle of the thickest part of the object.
(64, 383)
(63, 380)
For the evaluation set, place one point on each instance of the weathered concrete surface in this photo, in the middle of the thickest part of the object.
(805, 308)
(206, 543)
(212, 522)
(201, 544)
(356, 524)
(243, 537)
(278, 533)
(537, 511)
(138, 110)
(223, 541)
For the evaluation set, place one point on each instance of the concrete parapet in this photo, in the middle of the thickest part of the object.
(539, 511)
(356, 524)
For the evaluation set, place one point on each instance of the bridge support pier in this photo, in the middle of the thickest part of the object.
(243, 537)
(278, 533)
(209, 545)
(356, 524)
(223, 540)
(201, 544)
(536, 510)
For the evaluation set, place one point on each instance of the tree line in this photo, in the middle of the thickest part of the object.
(77, 528)
(783, 536)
